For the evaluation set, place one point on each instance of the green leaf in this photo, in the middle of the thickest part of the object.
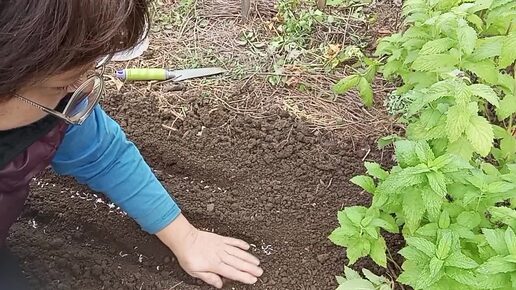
(459, 260)
(466, 277)
(365, 182)
(435, 62)
(423, 245)
(373, 278)
(341, 237)
(444, 220)
(346, 84)
(510, 241)
(444, 245)
(462, 93)
(340, 279)
(351, 274)
(441, 161)
(507, 107)
(372, 231)
(378, 249)
(487, 47)
(475, 20)
(496, 239)
(359, 249)
(504, 215)
(500, 187)
(469, 219)
(480, 135)
(437, 46)
(436, 265)
(461, 148)
(484, 69)
(467, 36)
(433, 203)
(413, 210)
(508, 54)
(386, 222)
(413, 254)
(496, 265)
(486, 93)
(424, 152)
(428, 230)
(366, 92)
(355, 214)
(457, 121)
(374, 169)
(437, 183)
(356, 284)
(344, 221)
(406, 153)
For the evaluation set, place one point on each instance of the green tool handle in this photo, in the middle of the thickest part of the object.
(145, 74)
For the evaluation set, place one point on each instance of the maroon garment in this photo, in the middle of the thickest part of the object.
(17, 173)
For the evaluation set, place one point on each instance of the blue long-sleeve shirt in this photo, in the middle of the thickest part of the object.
(98, 154)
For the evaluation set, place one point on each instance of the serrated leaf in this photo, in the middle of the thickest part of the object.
(340, 279)
(436, 266)
(346, 84)
(475, 20)
(441, 161)
(469, 219)
(467, 36)
(365, 182)
(433, 203)
(480, 135)
(373, 278)
(437, 182)
(426, 279)
(406, 153)
(500, 187)
(341, 237)
(463, 276)
(496, 281)
(496, 265)
(386, 222)
(366, 92)
(444, 220)
(435, 62)
(351, 274)
(508, 53)
(413, 254)
(496, 240)
(459, 260)
(444, 245)
(423, 245)
(485, 92)
(487, 47)
(510, 241)
(461, 148)
(437, 46)
(359, 249)
(484, 69)
(377, 253)
(457, 121)
(374, 169)
(462, 93)
(355, 214)
(507, 107)
(372, 231)
(428, 230)
(356, 284)
(413, 210)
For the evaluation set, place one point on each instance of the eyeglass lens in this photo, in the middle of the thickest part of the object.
(84, 98)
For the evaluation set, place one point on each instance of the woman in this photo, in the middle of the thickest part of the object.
(52, 57)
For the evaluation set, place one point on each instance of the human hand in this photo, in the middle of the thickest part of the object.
(209, 256)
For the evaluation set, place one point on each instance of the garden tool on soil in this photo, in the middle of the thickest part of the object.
(161, 74)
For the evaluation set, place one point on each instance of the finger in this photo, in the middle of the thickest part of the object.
(242, 265)
(234, 274)
(246, 256)
(237, 243)
(210, 278)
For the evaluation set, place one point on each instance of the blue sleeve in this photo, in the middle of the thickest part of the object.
(98, 154)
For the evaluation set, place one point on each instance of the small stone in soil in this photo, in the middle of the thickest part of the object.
(210, 207)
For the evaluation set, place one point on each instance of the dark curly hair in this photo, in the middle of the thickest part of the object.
(41, 38)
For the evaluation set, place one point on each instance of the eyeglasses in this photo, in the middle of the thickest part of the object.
(83, 100)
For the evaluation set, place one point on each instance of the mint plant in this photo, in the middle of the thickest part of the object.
(452, 192)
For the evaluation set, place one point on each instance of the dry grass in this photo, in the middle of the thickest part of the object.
(210, 33)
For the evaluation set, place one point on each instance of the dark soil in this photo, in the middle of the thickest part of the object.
(272, 182)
